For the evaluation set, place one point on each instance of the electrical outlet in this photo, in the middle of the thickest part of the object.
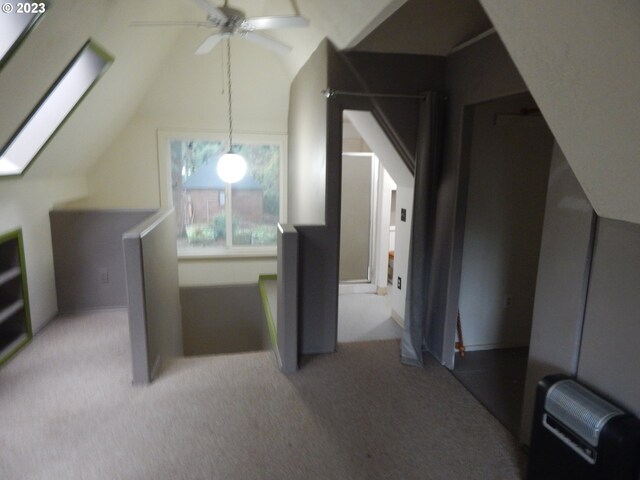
(403, 214)
(399, 283)
(104, 275)
(508, 301)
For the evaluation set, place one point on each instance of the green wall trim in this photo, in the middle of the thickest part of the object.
(26, 337)
(267, 309)
(11, 353)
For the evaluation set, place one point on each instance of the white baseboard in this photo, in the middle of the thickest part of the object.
(397, 318)
(353, 288)
(491, 346)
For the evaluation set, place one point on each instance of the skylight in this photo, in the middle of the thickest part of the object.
(65, 94)
(16, 20)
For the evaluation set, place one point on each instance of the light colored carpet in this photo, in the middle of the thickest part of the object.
(364, 317)
(68, 411)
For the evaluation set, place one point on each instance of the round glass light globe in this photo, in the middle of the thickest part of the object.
(231, 167)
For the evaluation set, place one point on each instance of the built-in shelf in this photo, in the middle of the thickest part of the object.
(9, 275)
(15, 322)
(11, 310)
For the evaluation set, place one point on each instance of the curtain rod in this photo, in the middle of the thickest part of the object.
(329, 92)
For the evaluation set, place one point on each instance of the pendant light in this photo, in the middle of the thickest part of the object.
(232, 167)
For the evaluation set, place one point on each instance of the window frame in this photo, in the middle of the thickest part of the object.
(164, 138)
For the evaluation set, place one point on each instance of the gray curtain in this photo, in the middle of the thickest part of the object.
(427, 174)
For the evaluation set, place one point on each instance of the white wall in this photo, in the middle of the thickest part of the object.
(385, 239)
(187, 95)
(404, 199)
(508, 173)
(25, 203)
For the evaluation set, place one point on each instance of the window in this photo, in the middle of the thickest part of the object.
(58, 103)
(215, 218)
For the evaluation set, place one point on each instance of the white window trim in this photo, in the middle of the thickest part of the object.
(164, 138)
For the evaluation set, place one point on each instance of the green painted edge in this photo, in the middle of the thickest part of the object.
(12, 353)
(267, 309)
(17, 234)
(102, 53)
(25, 33)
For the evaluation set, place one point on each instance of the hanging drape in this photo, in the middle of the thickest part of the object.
(427, 172)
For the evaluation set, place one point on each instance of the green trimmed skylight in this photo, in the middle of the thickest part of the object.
(52, 110)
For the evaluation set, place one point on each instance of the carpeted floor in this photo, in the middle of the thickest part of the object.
(68, 411)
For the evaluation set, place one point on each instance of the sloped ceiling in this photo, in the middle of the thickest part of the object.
(582, 65)
(139, 53)
(64, 29)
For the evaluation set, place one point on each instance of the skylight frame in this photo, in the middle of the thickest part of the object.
(26, 30)
(106, 58)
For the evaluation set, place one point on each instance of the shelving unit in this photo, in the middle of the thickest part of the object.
(15, 321)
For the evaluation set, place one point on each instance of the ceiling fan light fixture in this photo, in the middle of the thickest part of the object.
(231, 167)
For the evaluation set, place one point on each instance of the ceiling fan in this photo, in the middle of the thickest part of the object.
(230, 21)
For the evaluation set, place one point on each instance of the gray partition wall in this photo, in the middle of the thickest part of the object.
(561, 286)
(155, 320)
(88, 257)
(609, 353)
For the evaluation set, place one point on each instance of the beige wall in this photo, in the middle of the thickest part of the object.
(25, 203)
(580, 61)
(355, 218)
(308, 142)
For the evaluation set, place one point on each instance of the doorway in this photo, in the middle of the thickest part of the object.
(508, 169)
(365, 299)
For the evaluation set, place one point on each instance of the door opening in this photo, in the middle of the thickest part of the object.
(508, 169)
(365, 300)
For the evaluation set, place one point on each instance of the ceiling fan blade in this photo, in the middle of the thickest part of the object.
(268, 23)
(210, 42)
(267, 42)
(211, 9)
(169, 23)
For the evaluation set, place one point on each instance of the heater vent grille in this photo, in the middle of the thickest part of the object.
(578, 409)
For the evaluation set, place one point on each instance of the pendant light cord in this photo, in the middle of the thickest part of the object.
(229, 92)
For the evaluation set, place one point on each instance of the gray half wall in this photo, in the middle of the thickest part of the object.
(155, 320)
(87, 245)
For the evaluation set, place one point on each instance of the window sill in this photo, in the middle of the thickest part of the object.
(202, 253)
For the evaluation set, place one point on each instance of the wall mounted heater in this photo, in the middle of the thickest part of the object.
(579, 435)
